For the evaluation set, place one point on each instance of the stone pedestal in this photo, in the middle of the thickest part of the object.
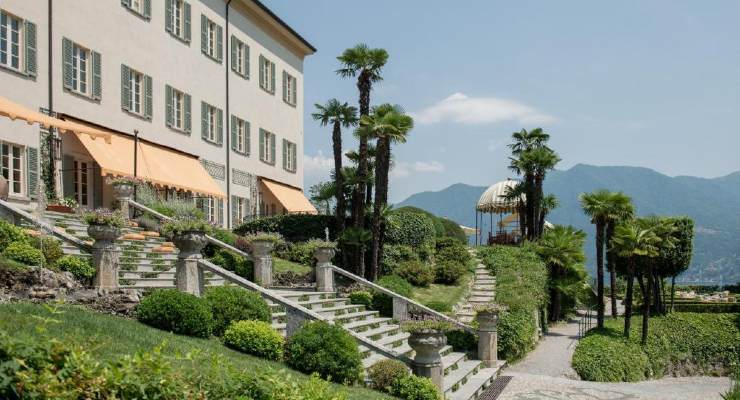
(262, 254)
(123, 193)
(324, 272)
(427, 360)
(188, 275)
(105, 256)
(487, 337)
(400, 309)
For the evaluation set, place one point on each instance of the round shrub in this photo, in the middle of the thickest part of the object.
(385, 372)
(603, 358)
(50, 247)
(78, 266)
(231, 303)
(410, 228)
(361, 297)
(317, 347)
(177, 312)
(256, 338)
(394, 254)
(24, 253)
(448, 272)
(10, 233)
(384, 303)
(451, 250)
(416, 273)
(414, 387)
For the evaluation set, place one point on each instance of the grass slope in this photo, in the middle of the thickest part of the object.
(108, 338)
(281, 265)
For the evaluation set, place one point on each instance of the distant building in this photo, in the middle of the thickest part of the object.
(218, 80)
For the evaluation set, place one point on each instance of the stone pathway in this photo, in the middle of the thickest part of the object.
(482, 291)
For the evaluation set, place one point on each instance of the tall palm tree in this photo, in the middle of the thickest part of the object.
(561, 249)
(548, 203)
(596, 206)
(366, 64)
(388, 124)
(632, 241)
(620, 208)
(357, 238)
(338, 115)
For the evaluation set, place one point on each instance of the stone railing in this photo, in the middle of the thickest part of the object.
(10, 212)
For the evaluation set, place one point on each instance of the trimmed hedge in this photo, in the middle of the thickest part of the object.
(177, 312)
(232, 303)
(293, 227)
(233, 262)
(256, 338)
(328, 350)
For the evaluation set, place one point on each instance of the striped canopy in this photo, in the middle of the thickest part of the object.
(493, 200)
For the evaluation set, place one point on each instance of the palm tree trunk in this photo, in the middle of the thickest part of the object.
(381, 197)
(646, 306)
(358, 194)
(600, 273)
(541, 223)
(530, 197)
(628, 299)
(610, 262)
(537, 206)
(369, 191)
(338, 177)
(522, 210)
(673, 291)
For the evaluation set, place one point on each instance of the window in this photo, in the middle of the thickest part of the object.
(10, 41)
(12, 167)
(289, 156)
(178, 102)
(267, 75)
(136, 92)
(211, 124)
(81, 183)
(213, 209)
(240, 135)
(178, 109)
(289, 88)
(239, 57)
(267, 146)
(211, 37)
(239, 209)
(177, 14)
(141, 7)
(82, 70)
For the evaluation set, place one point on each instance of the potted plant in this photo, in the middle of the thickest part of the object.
(123, 186)
(66, 205)
(487, 315)
(104, 224)
(188, 235)
(262, 243)
(323, 251)
(427, 338)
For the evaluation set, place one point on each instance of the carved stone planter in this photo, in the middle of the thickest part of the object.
(105, 256)
(487, 336)
(123, 193)
(262, 254)
(324, 273)
(427, 344)
(188, 276)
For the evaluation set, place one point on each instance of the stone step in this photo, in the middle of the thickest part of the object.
(318, 304)
(352, 317)
(339, 310)
(475, 385)
(389, 342)
(484, 287)
(300, 295)
(450, 361)
(458, 377)
(367, 362)
(481, 299)
(367, 324)
(381, 331)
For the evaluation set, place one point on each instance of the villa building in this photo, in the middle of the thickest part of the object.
(173, 81)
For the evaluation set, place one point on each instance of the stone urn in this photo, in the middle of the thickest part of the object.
(262, 255)
(123, 190)
(427, 343)
(324, 274)
(190, 243)
(487, 320)
(103, 233)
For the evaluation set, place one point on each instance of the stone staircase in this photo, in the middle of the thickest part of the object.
(482, 292)
(464, 379)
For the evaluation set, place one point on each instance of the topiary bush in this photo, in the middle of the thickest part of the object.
(609, 358)
(362, 297)
(414, 387)
(416, 273)
(385, 372)
(448, 272)
(293, 227)
(393, 255)
(24, 253)
(177, 312)
(10, 233)
(78, 266)
(232, 303)
(317, 347)
(50, 247)
(257, 338)
(384, 303)
(410, 228)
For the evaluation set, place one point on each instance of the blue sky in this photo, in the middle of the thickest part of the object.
(643, 83)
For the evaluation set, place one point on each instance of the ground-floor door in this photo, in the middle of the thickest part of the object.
(78, 175)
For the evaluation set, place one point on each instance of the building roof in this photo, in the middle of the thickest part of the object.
(308, 47)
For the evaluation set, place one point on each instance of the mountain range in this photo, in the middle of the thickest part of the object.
(713, 203)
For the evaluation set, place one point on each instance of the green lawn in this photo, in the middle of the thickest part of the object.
(281, 265)
(448, 294)
(109, 338)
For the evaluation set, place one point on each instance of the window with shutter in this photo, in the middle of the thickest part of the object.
(267, 74)
(148, 106)
(17, 44)
(289, 88)
(33, 172)
(30, 35)
(262, 145)
(136, 92)
(97, 77)
(141, 7)
(13, 167)
(125, 87)
(67, 63)
(272, 148)
(78, 68)
(211, 39)
(177, 19)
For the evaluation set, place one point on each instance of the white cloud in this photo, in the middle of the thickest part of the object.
(318, 164)
(430, 166)
(462, 109)
(403, 169)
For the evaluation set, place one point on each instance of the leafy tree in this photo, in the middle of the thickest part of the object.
(561, 248)
(620, 208)
(549, 203)
(678, 259)
(358, 239)
(321, 195)
(596, 206)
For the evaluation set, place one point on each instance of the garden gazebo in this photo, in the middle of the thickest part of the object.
(495, 200)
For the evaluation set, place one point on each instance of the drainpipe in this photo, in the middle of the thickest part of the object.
(227, 52)
(51, 105)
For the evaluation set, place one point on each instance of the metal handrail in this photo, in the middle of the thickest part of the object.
(310, 314)
(211, 239)
(391, 293)
(45, 226)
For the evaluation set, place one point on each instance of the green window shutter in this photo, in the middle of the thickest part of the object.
(219, 43)
(220, 126)
(168, 16)
(32, 158)
(295, 157)
(285, 86)
(147, 9)
(203, 34)
(234, 45)
(204, 119)
(272, 148)
(186, 116)
(186, 20)
(148, 89)
(246, 61)
(285, 154)
(67, 63)
(234, 211)
(97, 78)
(169, 112)
(295, 91)
(220, 208)
(31, 65)
(272, 77)
(233, 132)
(247, 140)
(125, 86)
(262, 144)
(126, 3)
(262, 71)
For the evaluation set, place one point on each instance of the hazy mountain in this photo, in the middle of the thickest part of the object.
(714, 204)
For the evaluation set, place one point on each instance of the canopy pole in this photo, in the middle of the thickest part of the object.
(136, 156)
(476, 226)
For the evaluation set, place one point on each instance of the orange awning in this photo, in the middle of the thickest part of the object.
(15, 111)
(292, 199)
(155, 164)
